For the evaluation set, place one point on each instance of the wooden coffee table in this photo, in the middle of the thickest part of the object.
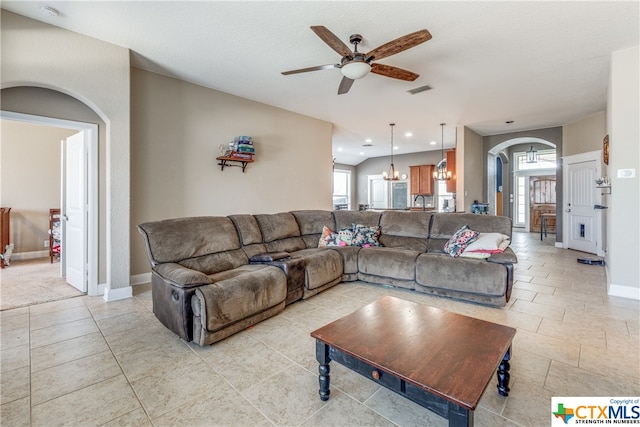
(440, 360)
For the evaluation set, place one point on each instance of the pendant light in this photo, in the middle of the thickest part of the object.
(441, 173)
(532, 155)
(393, 174)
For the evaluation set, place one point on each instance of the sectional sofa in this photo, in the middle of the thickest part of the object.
(214, 276)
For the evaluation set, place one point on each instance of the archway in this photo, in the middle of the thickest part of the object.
(498, 150)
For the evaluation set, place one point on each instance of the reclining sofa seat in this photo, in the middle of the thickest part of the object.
(203, 287)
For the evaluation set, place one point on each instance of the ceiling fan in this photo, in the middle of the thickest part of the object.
(355, 65)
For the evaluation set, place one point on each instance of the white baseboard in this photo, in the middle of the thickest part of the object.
(117, 294)
(20, 256)
(624, 291)
(138, 279)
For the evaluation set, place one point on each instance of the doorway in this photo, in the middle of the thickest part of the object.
(85, 167)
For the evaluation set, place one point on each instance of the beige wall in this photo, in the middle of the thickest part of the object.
(97, 74)
(30, 180)
(623, 227)
(176, 130)
(584, 135)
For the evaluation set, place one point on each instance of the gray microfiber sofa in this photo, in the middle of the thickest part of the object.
(214, 276)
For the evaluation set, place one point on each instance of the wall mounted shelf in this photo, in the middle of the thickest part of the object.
(605, 187)
(224, 161)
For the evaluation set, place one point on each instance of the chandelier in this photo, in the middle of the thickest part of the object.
(441, 173)
(393, 174)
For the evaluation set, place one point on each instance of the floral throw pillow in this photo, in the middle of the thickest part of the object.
(365, 237)
(331, 238)
(460, 240)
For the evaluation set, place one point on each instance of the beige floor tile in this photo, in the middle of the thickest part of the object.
(229, 409)
(529, 366)
(49, 307)
(144, 336)
(15, 337)
(562, 350)
(402, 411)
(176, 385)
(66, 351)
(53, 318)
(6, 314)
(287, 398)
(577, 333)
(537, 309)
(137, 418)
(544, 289)
(528, 404)
(72, 376)
(14, 385)
(16, 321)
(558, 301)
(623, 366)
(16, 413)
(351, 383)
(342, 410)
(127, 321)
(140, 363)
(93, 405)
(523, 294)
(116, 308)
(62, 332)
(565, 380)
(14, 358)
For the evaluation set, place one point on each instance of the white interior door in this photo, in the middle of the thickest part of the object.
(378, 193)
(74, 212)
(582, 220)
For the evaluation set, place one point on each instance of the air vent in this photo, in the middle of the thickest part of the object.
(419, 89)
(367, 145)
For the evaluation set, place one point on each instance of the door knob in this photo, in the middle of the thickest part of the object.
(567, 210)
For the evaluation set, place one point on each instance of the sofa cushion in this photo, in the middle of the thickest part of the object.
(277, 226)
(346, 219)
(408, 230)
(173, 240)
(248, 229)
(461, 274)
(239, 296)
(313, 221)
(213, 263)
(388, 262)
(322, 264)
(290, 244)
(445, 224)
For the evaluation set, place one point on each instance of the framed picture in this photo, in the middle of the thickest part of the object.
(605, 150)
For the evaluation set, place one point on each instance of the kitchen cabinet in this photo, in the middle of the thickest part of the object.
(422, 179)
(451, 167)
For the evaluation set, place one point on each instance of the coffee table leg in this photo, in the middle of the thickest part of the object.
(322, 356)
(503, 374)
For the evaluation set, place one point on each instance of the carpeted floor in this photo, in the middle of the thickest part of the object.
(33, 281)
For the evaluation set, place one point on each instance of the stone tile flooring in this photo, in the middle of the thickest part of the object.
(82, 361)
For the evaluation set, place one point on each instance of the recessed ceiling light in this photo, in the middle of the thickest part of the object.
(339, 148)
(433, 143)
(395, 147)
(362, 153)
(49, 11)
(368, 140)
(408, 134)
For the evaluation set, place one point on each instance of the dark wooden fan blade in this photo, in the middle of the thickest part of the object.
(332, 40)
(345, 85)
(393, 72)
(316, 68)
(398, 45)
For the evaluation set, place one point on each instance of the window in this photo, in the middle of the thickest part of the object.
(341, 189)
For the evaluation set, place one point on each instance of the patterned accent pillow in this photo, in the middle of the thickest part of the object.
(365, 237)
(331, 238)
(460, 240)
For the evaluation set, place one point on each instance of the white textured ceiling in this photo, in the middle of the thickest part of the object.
(539, 64)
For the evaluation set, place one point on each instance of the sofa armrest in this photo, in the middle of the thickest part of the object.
(269, 257)
(506, 257)
(181, 276)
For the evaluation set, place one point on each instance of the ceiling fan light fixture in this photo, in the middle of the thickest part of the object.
(355, 70)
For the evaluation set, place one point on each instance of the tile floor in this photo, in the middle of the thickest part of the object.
(84, 362)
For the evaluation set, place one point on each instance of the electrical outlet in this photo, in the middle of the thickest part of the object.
(46, 243)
